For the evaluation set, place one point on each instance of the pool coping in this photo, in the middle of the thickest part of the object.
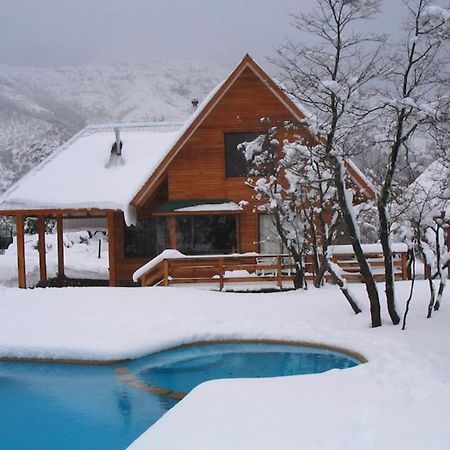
(99, 362)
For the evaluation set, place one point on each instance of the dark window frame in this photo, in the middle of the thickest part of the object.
(189, 248)
(146, 231)
(247, 136)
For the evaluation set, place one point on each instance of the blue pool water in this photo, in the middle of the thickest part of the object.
(73, 407)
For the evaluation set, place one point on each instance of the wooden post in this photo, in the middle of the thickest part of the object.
(166, 272)
(404, 265)
(427, 271)
(111, 250)
(60, 244)
(172, 232)
(20, 237)
(279, 274)
(221, 280)
(41, 249)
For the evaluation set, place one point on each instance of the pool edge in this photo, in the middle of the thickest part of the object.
(94, 362)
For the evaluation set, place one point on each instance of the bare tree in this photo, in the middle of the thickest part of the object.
(332, 78)
(422, 218)
(413, 101)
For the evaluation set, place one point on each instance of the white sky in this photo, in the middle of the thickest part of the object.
(62, 32)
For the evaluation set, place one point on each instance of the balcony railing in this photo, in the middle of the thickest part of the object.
(250, 268)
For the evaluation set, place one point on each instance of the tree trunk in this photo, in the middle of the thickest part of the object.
(440, 274)
(343, 286)
(437, 304)
(299, 277)
(431, 303)
(320, 274)
(413, 279)
(364, 268)
(388, 266)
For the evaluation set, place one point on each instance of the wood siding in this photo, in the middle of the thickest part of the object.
(198, 170)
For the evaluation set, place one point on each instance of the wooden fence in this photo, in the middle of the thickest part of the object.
(278, 269)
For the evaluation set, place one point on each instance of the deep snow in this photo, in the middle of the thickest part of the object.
(400, 399)
(80, 258)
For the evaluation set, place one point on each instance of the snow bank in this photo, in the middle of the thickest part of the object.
(398, 400)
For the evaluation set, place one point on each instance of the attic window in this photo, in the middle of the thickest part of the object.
(236, 164)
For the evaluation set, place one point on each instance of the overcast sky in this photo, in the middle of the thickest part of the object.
(61, 32)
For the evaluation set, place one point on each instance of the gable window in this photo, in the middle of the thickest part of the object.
(147, 239)
(236, 165)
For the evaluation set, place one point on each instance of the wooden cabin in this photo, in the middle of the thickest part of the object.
(170, 186)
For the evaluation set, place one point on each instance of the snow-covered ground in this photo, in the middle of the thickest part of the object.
(400, 399)
(80, 258)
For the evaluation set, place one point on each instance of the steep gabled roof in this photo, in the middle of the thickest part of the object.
(207, 106)
(75, 176)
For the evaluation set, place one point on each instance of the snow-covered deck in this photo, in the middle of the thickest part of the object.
(173, 267)
(399, 400)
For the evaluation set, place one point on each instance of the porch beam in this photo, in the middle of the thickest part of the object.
(60, 245)
(78, 212)
(111, 249)
(41, 249)
(20, 237)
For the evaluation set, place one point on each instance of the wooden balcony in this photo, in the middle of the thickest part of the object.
(278, 270)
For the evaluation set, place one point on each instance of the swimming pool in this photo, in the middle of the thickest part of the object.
(61, 406)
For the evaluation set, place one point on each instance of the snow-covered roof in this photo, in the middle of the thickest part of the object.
(76, 175)
(429, 194)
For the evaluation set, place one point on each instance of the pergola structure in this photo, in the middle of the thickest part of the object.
(42, 215)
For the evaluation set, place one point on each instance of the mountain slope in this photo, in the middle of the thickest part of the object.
(42, 107)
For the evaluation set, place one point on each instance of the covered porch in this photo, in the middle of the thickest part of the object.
(60, 217)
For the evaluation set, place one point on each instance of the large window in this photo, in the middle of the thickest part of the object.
(236, 165)
(147, 239)
(203, 235)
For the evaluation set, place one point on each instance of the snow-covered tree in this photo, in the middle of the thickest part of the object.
(332, 79)
(412, 101)
(423, 217)
(295, 186)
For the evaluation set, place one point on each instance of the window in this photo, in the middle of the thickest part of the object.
(147, 239)
(203, 235)
(269, 239)
(236, 164)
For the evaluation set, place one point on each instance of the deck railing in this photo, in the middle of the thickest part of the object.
(249, 268)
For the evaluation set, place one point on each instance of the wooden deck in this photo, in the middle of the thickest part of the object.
(253, 268)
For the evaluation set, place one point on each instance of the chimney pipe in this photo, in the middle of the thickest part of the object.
(194, 102)
(118, 143)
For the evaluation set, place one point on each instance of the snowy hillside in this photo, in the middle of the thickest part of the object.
(42, 107)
